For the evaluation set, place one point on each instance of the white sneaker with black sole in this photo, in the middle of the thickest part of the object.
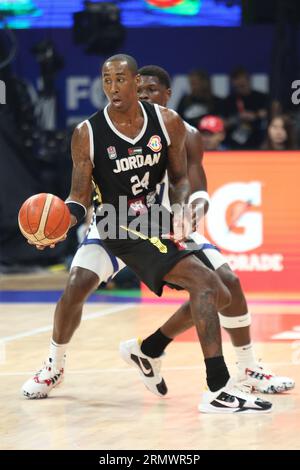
(41, 384)
(148, 367)
(233, 398)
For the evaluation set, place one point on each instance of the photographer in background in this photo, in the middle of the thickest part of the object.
(245, 113)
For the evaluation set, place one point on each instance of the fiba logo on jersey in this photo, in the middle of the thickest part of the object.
(155, 143)
(112, 153)
(2, 92)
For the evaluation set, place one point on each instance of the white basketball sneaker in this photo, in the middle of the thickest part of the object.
(148, 367)
(41, 384)
(233, 398)
(264, 381)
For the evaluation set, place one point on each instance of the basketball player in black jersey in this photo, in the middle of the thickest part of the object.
(93, 265)
(128, 128)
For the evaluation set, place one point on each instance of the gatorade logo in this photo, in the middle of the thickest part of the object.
(235, 220)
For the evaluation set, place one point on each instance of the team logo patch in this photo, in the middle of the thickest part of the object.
(135, 151)
(112, 153)
(155, 143)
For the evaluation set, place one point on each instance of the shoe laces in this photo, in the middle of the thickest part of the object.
(49, 370)
(263, 369)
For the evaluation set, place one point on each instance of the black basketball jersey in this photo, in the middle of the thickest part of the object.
(125, 166)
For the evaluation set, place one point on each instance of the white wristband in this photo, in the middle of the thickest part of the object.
(198, 195)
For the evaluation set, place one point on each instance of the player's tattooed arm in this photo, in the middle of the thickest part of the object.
(81, 188)
(196, 174)
(179, 187)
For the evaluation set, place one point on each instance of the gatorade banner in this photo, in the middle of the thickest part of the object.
(254, 217)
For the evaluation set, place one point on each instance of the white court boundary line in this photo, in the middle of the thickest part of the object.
(126, 370)
(90, 316)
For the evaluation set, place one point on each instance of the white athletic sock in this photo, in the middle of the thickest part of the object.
(245, 356)
(57, 354)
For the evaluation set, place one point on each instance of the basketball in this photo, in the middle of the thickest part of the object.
(44, 219)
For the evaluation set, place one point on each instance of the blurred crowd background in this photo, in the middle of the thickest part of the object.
(236, 84)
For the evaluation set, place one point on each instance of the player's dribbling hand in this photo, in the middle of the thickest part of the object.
(42, 247)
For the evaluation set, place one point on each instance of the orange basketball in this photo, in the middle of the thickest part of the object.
(44, 219)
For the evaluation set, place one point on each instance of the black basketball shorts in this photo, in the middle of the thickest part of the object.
(150, 257)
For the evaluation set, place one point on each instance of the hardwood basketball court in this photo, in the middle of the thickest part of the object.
(104, 405)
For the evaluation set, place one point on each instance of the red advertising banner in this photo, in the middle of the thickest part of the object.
(254, 217)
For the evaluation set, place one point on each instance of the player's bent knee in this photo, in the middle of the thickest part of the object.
(202, 279)
(225, 297)
(207, 280)
(230, 279)
(81, 284)
(223, 293)
(209, 293)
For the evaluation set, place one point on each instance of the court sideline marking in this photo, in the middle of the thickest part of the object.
(90, 316)
(128, 370)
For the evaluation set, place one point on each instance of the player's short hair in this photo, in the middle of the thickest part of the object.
(131, 62)
(158, 72)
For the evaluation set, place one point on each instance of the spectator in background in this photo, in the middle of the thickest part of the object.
(200, 101)
(280, 134)
(245, 112)
(213, 132)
